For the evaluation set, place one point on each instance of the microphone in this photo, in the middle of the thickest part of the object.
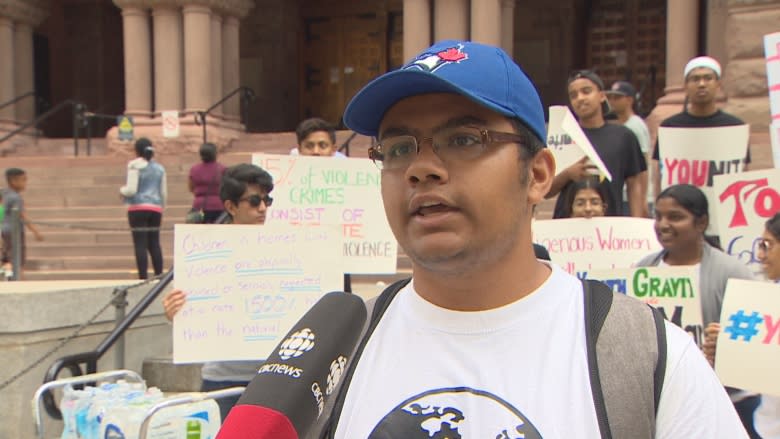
(291, 388)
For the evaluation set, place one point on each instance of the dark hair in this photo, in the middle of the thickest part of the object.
(313, 125)
(13, 172)
(692, 199)
(208, 152)
(143, 148)
(586, 74)
(236, 179)
(773, 225)
(572, 189)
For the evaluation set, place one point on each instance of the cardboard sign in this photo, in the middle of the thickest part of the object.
(672, 290)
(744, 203)
(170, 124)
(748, 349)
(696, 155)
(247, 285)
(568, 142)
(311, 191)
(581, 245)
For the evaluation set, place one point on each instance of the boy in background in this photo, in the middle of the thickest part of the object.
(12, 199)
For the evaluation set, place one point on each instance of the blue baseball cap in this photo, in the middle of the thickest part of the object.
(484, 74)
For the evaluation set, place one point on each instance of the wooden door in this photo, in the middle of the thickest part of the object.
(627, 41)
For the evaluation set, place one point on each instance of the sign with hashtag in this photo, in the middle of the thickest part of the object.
(672, 290)
(748, 349)
(744, 202)
(580, 244)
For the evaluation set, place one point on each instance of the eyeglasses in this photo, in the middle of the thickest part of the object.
(255, 200)
(765, 245)
(455, 144)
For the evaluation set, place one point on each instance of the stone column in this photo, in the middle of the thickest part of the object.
(138, 61)
(486, 21)
(7, 92)
(168, 54)
(197, 57)
(450, 20)
(24, 71)
(216, 61)
(508, 26)
(417, 27)
(230, 65)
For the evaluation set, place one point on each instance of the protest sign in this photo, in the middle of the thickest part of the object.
(247, 285)
(744, 203)
(311, 191)
(568, 142)
(772, 53)
(696, 155)
(672, 290)
(170, 124)
(748, 349)
(580, 244)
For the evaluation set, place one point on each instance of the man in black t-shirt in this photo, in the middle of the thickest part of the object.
(616, 145)
(702, 82)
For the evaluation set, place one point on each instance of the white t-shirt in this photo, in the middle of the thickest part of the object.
(516, 371)
(767, 417)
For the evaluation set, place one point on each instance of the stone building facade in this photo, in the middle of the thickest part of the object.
(308, 57)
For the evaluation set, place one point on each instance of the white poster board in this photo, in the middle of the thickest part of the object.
(568, 142)
(580, 245)
(748, 350)
(744, 202)
(170, 124)
(696, 155)
(246, 285)
(312, 191)
(672, 290)
(772, 53)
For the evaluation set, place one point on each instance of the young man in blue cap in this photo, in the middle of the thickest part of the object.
(486, 340)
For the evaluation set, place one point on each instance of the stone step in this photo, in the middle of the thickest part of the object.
(105, 274)
(54, 236)
(160, 372)
(54, 213)
(124, 262)
(37, 250)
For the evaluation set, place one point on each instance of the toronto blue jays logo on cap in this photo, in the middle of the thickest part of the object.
(432, 61)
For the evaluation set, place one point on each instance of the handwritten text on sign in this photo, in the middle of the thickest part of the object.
(745, 201)
(696, 155)
(247, 285)
(748, 349)
(313, 191)
(579, 244)
(672, 290)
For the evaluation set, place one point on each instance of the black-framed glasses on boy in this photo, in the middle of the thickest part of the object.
(765, 245)
(462, 143)
(255, 200)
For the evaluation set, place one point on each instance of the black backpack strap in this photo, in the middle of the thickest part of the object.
(660, 365)
(598, 301)
(380, 305)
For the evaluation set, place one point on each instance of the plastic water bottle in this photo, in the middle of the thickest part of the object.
(68, 409)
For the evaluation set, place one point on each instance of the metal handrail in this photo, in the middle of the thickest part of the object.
(78, 115)
(184, 399)
(345, 146)
(47, 387)
(247, 95)
(16, 99)
(90, 358)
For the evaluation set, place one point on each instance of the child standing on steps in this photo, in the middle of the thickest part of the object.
(12, 199)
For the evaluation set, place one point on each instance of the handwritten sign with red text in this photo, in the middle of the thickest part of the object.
(748, 349)
(247, 285)
(580, 244)
(744, 203)
(312, 191)
(696, 155)
(772, 53)
(672, 290)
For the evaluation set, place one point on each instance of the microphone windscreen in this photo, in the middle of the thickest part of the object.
(303, 371)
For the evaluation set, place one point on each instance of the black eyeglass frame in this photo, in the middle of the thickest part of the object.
(255, 200)
(489, 137)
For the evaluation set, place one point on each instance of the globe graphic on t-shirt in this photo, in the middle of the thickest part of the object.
(454, 413)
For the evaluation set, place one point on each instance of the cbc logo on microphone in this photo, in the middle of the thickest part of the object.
(297, 344)
(336, 371)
